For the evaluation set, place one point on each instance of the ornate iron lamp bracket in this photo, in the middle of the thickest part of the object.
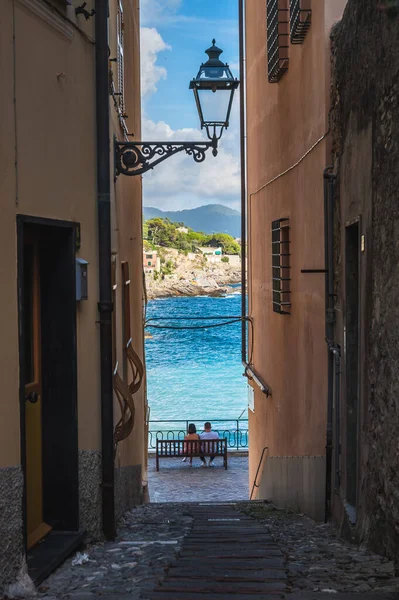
(136, 158)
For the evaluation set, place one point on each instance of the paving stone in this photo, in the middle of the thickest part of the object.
(177, 482)
(319, 560)
(160, 541)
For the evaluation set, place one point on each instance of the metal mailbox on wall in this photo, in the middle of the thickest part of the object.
(81, 279)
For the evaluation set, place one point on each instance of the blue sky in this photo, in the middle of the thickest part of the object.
(174, 36)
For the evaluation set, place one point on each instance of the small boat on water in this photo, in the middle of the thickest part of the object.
(147, 336)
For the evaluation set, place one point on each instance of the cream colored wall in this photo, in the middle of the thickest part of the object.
(284, 121)
(127, 223)
(9, 403)
(56, 162)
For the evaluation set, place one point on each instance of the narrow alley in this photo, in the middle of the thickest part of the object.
(218, 551)
(199, 306)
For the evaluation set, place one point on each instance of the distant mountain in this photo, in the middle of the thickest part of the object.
(212, 218)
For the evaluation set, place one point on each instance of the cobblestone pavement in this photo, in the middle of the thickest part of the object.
(178, 482)
(149, 538)
(317, 560)
(317, 563)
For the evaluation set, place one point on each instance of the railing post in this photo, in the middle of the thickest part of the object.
(237, 435)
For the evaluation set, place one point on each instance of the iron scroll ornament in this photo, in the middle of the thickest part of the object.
(136, 158)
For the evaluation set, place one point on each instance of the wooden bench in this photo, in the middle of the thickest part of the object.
(190, 449)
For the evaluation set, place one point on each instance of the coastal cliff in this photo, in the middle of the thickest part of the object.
(192, 274)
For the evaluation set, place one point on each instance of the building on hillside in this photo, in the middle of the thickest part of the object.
(182, 229)
(364, 254)
(151, 261)
(288, 148)
(67, 462)
(209, 251)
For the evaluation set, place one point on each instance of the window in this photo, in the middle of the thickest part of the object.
(277, 39)
(149, 263)
(300, 19)
(120, 26)
(149, 256)
(281, 269)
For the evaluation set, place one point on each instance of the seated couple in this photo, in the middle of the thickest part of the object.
(207, 434)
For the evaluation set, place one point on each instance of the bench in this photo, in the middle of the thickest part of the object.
(190, 449)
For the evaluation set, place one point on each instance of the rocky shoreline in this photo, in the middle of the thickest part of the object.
(194, 276)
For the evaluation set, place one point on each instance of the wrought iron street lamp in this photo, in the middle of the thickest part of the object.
(214, 109)
(136, 158)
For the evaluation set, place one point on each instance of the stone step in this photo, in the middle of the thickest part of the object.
(231, 587)
(247, 553)
(168, 595)
(204, 562)
(223, 573)
(235, 562)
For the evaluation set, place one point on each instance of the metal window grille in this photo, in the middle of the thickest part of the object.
(120, 57)
(300, 19)
(277, 18)
(281, 266)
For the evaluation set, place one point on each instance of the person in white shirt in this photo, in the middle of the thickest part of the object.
(208, 434)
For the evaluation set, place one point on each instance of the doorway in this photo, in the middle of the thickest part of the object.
(36, 528)
(48, 377)
(352, 268)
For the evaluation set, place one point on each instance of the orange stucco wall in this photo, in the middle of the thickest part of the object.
(127, 226)
(54, 132)
(284, 121)
(54, 178)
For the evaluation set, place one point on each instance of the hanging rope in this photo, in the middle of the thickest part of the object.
(228, 320)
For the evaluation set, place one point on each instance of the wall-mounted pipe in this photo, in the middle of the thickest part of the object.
(243, 183)
(248, 368)
(104, 257)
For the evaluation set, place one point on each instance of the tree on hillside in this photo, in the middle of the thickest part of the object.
(163, 232)
(225, 241)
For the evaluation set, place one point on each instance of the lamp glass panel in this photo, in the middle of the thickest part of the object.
(216, 73)
(214, 104)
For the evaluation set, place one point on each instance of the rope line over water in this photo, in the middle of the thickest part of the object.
(227, 320)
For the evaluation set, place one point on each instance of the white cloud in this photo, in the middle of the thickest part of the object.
(151, 44)
(154, 11)
(180, 182)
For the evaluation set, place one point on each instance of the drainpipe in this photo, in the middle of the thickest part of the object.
(104, 253)
(330, 320)
(248, 368)
(243, 185)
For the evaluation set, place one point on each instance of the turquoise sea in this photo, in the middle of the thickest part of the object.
(195, 375)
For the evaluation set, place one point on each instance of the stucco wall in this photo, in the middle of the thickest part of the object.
(286, 123)
(52, 174)
(366, 133)
(127, 246)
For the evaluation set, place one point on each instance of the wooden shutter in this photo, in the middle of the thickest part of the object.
(120, 57)
(277, 19)
(300, 19)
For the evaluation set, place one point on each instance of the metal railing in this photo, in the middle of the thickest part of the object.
(234, 430)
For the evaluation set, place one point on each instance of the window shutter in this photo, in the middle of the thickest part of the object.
(300, 19)
(120, 57)
(277, 19)
(281, 266)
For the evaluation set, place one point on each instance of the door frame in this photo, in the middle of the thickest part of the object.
(51, 225)
(353, 508)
